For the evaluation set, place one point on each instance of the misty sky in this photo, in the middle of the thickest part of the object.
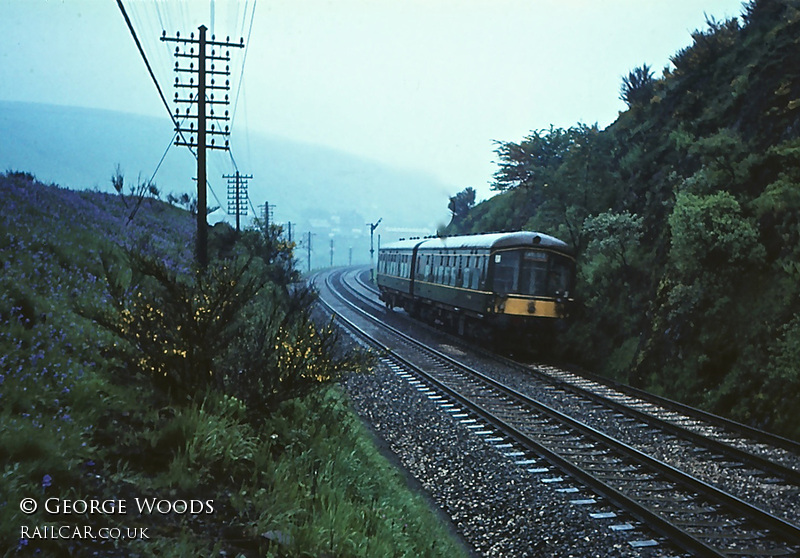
(423, 84)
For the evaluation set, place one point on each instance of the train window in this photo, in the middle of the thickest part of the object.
(559, 279)
(533, 274)
(506, 272)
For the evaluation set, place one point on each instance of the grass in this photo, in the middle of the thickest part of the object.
(81, 420)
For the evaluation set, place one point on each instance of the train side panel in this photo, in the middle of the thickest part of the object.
(453, 280)
(394, 276)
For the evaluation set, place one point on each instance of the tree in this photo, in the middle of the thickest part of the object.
(461, 203)
(613, 235)
(637, 86)
(531, 163)
(711, 234)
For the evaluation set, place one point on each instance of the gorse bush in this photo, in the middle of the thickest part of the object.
(175, 326)
(225, 328)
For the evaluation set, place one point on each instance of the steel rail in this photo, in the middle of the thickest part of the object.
(789, 532)
(655, 522)
(758, 436)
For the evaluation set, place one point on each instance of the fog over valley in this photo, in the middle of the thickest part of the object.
(318, 189)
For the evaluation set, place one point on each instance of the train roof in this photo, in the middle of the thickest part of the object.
(484, 241)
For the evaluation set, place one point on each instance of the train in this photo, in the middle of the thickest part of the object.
(484, 286)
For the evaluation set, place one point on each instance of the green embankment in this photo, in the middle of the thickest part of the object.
(685, 215)
(125, 376)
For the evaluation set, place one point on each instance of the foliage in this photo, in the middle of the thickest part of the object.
(685, 215)
(80, 419)
(461, 203)
(176, 326)
(613, 236)
(709, 233)
(225, 328)
(136, 194)
(637, 86)
(708, 45)
(530, 163)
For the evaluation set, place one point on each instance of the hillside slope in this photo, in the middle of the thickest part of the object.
(129, 377)
(686, 216)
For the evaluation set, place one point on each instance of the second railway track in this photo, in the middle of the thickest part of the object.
(754, 465)
(697, 516)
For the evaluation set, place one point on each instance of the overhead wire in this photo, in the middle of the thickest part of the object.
(244, 60)
(164, 156)
(241, 79)
(146, 61)
(178, 131)
(160, 18)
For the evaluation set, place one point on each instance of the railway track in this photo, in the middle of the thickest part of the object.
(751, 440)
(750, 463)
(692, 514)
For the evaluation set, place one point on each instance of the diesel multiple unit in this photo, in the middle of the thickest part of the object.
(480, 284)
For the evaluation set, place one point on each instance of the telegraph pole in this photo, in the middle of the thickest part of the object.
(201, 115)
(267, 213)
(372, 227)
(237, 194)
(331, 252)
(308, 247)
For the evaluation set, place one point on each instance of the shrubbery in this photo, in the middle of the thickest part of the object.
(125, 374)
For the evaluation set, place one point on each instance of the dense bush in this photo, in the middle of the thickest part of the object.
(685, 214)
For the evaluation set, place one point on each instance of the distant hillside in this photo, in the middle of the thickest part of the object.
(330, 193)
(685, 214)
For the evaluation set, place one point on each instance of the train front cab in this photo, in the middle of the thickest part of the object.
(532, 290)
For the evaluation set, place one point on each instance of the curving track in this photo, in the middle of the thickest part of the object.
(640, 459)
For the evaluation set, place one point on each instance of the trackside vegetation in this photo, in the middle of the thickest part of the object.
(685, 215)
(205, 402)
